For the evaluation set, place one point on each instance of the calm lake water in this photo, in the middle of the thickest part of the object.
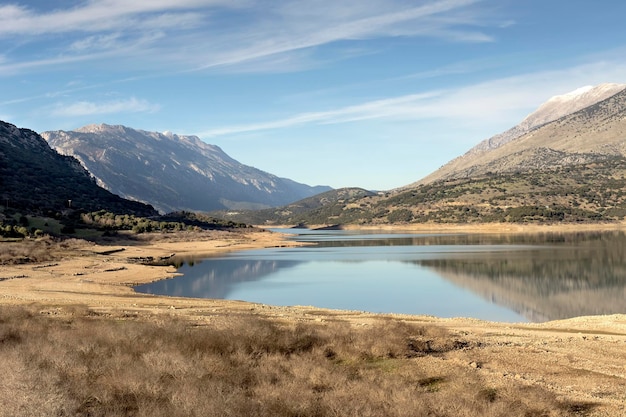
(510, 278)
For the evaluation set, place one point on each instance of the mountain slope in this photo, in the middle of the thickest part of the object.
(592, 134)
(173, 172)
(527, 153)
(319, 209)
(36, 179)
(578, 194)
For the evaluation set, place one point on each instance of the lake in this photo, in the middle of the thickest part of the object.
(511, 278)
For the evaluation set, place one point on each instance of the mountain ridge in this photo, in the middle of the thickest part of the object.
(594, 133)
(174, 172)
(36, 179)
(552, 110)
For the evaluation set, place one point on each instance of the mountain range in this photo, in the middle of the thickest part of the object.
(174, 172)
(34, 179)
(564, 162)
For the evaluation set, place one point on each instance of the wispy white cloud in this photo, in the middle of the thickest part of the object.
(376, 109)
(88, 108)
(13, 67)
(506, 99)
(196, 34)
(95, 48)
(94, 16)
(298, 25)
(96, 42)
(456, 68)
(71, 87)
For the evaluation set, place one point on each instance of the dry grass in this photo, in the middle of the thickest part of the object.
(48, 248)
(78, 363)
(38, 250)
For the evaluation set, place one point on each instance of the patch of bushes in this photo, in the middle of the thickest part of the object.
(173, 222)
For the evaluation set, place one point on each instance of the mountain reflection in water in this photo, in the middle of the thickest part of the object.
(214, 278)
(535, 277)
(585, 274)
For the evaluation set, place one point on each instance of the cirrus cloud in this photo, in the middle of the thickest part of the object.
(88, 108)
(204, 34)
(98, 15)
(478, 103)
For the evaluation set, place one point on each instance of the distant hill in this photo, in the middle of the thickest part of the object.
(583, 193)
(35, 179)
(174, 172)
(320, 209)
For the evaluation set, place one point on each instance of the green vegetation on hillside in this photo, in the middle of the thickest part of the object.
(580, 193)
(42, 192)
(319, 209)
(97, 223)
(103, 220)
(593, 192)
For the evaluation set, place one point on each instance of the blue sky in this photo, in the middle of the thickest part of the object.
(369, 93)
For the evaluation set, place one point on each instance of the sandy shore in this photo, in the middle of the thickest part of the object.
(102, 277)
(582, 358)
(499, 228)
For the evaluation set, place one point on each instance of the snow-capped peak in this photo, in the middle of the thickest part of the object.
(572, 94)
(562, 105)
(589, 91)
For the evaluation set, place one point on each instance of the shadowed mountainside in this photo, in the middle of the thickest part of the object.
(36, 179)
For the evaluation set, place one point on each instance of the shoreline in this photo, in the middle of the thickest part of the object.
(489, 228)
(103, 277)
(580, 359)
(100, 275)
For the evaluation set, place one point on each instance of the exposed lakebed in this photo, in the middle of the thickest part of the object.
(508, 277)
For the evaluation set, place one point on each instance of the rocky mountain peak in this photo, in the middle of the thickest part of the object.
(99, 128)
(562, 105)
(173, 172)
(554, 109)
